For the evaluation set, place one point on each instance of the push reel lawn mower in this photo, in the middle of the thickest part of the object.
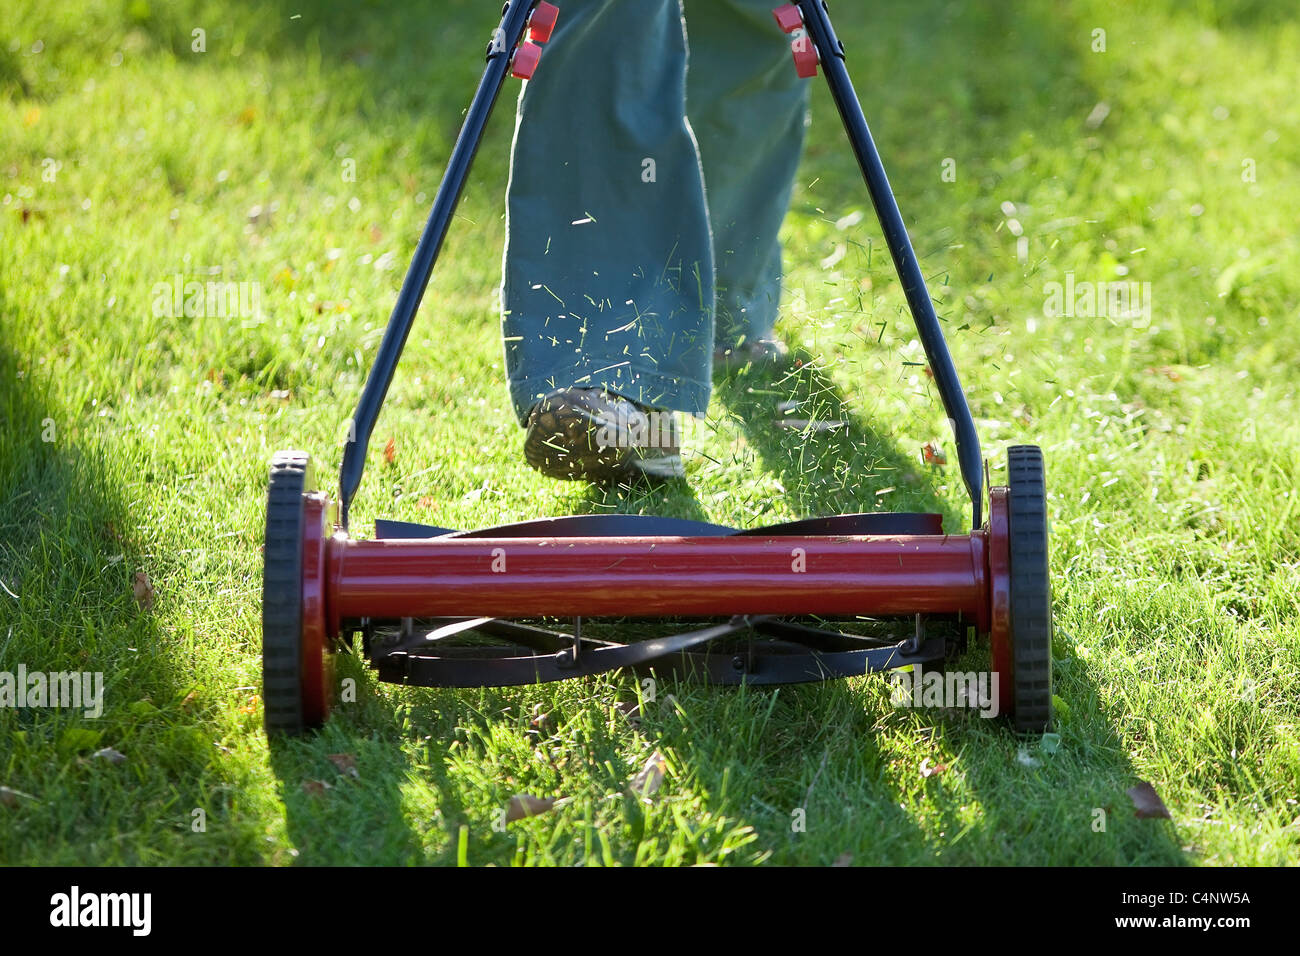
(444, 608)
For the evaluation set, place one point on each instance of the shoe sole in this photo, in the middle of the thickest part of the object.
(558, 444)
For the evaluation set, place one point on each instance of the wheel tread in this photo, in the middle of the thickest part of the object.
(282, 595)
(1031, 595)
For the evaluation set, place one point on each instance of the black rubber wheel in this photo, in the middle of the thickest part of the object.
(282, 673)
(1031, 590)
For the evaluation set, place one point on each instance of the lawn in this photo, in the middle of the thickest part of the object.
(298, 152)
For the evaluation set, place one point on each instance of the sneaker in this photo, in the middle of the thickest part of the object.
(590, 434)
(757, 352)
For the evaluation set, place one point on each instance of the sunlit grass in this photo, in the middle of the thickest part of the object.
(1172, 447)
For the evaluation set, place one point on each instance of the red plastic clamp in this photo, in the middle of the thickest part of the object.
(542, 22)
(788, 17)
(805, 56)
(526, 59)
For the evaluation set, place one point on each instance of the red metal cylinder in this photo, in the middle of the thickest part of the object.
(659, 576)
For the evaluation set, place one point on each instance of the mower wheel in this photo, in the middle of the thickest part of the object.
(282, 600)
(1031, 590)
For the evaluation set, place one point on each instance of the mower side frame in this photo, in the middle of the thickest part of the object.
(500, 51)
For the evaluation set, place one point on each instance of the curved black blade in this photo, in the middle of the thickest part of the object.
(602, 526)
(524, 637)
(635, 526)
(668, 657)
(502, 672)
(387, 528)
(820, 638)
(567, 526)
(885, 522)
(806, 668)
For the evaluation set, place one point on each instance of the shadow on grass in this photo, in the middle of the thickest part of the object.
(827, 458)
(70, 546)
(342, 788)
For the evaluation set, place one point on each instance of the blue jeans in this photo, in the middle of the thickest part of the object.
(653, 160)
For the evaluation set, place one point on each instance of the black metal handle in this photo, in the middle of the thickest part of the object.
(514, 20)
(817, 21)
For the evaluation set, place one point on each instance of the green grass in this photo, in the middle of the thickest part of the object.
(1173, 452)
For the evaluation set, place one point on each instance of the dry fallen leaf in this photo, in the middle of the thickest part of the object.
(932, 771)
(346, 764)
(109, 754)
(390, 451)
(652, 774)
(526, 805)
(144, 592)
(933, 454)
(427, 503)
(189, 698)
(315, 788)
(1147, 802)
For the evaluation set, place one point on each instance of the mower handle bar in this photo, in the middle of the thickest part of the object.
(514, 21)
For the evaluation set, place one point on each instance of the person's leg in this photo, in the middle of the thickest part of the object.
(748, 109)
(608, 269)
